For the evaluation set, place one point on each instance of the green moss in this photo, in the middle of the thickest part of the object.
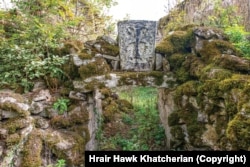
(173, 119)
(13, 139)
(32, 151)
(112, 50)
(105, 92)
(181, 41)
(79, 118)
(178, 137)
(193, 65)
(64, 91)
(109, 111)
(177, 132)
(238, 132)
(217, 73)
(70, 69)
(15, 107)
(19, 98)
(125, 106)
(94, 84)
(84, 55)
(188, 88)
(230, 83)
(165, 47)
(15, 124)
(231, 108)
(182, 75)
(188, 27)
(158, 76)
(98, 67)
(106, 102)
(74, 155)
(140, 78)
(60, 122)
(71, 47)
(176, 61)
(106, 48)
(70, 120)
(82, 129)
(211, 89)
(216, 48)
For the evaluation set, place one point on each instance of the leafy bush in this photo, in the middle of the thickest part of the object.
(237, 36)
(20, 66)
(33, 31)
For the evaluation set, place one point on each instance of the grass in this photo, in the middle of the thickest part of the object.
(146, 131)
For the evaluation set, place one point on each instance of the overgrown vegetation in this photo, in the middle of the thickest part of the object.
(238, 36)
(146, 131)
(209, 13)
(34, 31)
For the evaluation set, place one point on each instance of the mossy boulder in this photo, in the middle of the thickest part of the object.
(224, 54)
(165, 47)
(98, 67)
(15, 124)
(108, 45)
(66, 145)
(213, 72)
(13, 105)
(233, 62)
(176, 42)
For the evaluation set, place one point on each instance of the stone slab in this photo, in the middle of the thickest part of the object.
(137, 44)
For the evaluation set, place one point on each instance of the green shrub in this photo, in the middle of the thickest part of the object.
(237, 36)
(61, 105)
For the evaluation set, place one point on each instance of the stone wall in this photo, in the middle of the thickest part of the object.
(209, 108)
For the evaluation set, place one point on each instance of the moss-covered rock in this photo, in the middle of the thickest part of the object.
(32, 151)
(176, 42)
(238, 131)
(211, 50)
(76, 116)
(176, 60)
(85, 55)
(213, 72)
(181, 41)
(66, 145)
(13, 139)
(108, 46)
(70, 46)
(14, 124)
(110, 110)
(141, 78)
(165, 47)
(98, 67)
(70, 69)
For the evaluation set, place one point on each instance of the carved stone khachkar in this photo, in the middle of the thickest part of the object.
(137, 44)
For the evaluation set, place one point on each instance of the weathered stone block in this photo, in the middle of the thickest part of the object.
(137, 45)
